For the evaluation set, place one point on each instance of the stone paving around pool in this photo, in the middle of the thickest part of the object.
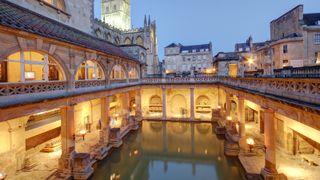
(292, 166)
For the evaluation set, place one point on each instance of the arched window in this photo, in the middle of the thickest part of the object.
(117, 40)
(118, 72)
(89, 70)
(127, 41)
(133, 74)
(139, 41)
(59, 4)
(30, 66)
(108, 37)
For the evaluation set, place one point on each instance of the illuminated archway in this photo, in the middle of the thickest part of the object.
(117, 72)
(178, 106)
(90, 70)
(26, 66)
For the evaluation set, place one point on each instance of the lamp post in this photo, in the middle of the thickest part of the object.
(250, 142)
(83, 133)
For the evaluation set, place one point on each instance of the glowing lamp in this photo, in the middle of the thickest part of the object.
(250, 142)
(250, 60)
(116, 115)
(134, 105)
(229, 118)
(2, 175)
(83, 133)
(219, 107)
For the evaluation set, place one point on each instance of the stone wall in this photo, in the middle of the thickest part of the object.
(78, 13)
(287, 24)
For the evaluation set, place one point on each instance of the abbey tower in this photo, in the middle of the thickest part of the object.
(117, 13)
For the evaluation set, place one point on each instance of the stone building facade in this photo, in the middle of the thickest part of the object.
(79, 14)
(180, 58)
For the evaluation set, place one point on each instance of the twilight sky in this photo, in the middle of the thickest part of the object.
(223, 22)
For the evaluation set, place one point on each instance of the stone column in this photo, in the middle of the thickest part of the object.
(242, 122)
(269, 171)
(228, 104)
(164, 103)
(138, 105)
(125, 108)
(101, 150)
(67, 140)
(192, 103)
(105, 113)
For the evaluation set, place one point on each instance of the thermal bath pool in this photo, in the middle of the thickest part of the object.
(170, 150)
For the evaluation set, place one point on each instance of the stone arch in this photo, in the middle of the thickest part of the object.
(139, 41)
(203, 100)
(90, 69)
(127, 41)
(54, 63)
(179, 105)
(155, 100)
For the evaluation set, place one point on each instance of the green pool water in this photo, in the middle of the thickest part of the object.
(170, 150)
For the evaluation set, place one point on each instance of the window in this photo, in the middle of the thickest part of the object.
(89, 70)
(317, 39)
(285, 61)
(317, 57)
(240, 49)
(194, 50)
(118, 72)
(59, 4)
(285, 49)
(114, 7)
(30, 66)
(133, 74)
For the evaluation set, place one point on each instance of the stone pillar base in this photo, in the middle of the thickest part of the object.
(101, 151)
(231, 148)
(65, 166)
(220, 130)
(269, 175)
(134, 124)
(82, 166)
(115, 137)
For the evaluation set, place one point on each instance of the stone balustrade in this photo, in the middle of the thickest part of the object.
(305, 90)
(10, 89)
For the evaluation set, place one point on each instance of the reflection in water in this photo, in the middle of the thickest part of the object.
(161, 150)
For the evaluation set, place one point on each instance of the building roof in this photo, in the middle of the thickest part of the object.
(227, 56)
(311, 19)
(196, 48)
(17, 17)
(172, 45)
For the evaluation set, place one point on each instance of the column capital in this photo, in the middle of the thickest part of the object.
(267, 110)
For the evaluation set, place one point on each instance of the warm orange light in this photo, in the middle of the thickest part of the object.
(219, 107)
(250, 141)
(82, 132)
(2, 175)
(229, 118)
(134, 105)
(250, 60)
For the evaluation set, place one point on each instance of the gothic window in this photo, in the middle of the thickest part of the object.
(127, 41)
(118, 72)
(30, 66)
(133, 74)
(89, 70)
(139, 41)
